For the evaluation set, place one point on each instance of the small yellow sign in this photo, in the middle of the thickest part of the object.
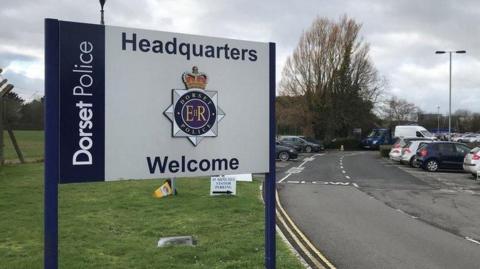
(163, 191)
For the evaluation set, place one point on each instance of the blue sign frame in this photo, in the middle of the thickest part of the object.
(53, 176)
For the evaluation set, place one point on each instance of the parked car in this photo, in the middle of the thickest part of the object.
(470, 138)
(442, 155)
(471, 162)
(396, 151)
(409, 152)
(314, 141)
(377, 137)
(297, 148)
(300, 143)
(285, 153)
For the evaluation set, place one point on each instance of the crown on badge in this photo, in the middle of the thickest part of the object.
(195, 79)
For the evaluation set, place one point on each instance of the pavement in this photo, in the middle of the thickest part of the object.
(363, 211)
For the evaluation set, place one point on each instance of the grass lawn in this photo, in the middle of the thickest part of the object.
(118, 224)
(30, 143)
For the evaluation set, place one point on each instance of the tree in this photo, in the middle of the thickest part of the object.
(331, 72)
(398, 111)
(12, 105)
(31, 115)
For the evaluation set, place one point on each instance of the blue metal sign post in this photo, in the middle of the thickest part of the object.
(52, 138)
(64, 70)
(270, 180)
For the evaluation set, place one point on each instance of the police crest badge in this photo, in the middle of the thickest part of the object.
(194, 112)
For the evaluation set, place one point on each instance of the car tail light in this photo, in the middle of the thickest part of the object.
(423, 152)
(476, 157)
(396, 145)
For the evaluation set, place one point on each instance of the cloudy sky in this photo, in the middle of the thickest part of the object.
(403, 35)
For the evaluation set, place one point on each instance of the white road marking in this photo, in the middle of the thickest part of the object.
(280, 181)
(295, 170)
(293, 181)
(472, 240)
(355, 185)
(308, 159)
(343, 171)
(337, 183)
(299, 169)
(347, 177)
(341, 167)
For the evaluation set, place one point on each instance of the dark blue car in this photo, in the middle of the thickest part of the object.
(442, 155)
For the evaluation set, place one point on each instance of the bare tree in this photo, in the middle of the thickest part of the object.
(332, 72)
(399, 110)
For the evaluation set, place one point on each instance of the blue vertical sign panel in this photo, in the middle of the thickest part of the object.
(82, 102)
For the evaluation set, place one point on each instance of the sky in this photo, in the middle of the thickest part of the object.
(403, 36)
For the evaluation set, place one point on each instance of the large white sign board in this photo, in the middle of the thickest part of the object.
(153, 104)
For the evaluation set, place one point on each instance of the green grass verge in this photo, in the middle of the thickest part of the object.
(30, 143)
(118, 224)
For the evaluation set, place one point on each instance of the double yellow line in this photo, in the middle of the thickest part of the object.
(306, 249)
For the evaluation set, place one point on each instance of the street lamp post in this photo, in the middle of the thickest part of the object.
(438, 120)
(102, 3)
(450, 87)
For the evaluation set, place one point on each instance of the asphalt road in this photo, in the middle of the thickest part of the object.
(362, 211)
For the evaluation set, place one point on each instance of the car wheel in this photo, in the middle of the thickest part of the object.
(432, 166)
(284, 156)
(414, 163)
(308, 149)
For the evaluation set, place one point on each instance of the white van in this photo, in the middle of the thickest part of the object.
(409, 131)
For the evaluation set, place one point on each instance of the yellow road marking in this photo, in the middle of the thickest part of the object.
(324, 259)
(299, 243)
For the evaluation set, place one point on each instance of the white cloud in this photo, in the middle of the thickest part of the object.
(31, 70)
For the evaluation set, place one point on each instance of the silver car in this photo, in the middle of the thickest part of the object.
(396, 151)
(409, 152)
(471, 162)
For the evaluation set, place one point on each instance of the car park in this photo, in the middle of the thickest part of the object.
(300, 144)
(471, 162)
(441, 155)
(285, 153)
(409, 151)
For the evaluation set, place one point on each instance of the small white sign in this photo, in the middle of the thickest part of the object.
(223, 185)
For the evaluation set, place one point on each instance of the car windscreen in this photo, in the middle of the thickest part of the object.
(426, 133)
(374, 133)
